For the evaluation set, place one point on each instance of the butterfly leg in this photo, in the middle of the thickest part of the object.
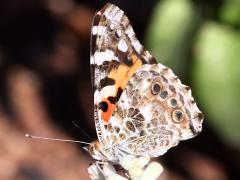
(94, 172)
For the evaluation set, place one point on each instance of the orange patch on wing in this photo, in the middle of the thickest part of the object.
(137, 63)
(123, 73)
(107, 115)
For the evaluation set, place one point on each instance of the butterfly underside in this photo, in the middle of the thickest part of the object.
(141, 108)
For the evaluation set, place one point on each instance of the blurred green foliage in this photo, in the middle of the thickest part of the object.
(230, 12)
(216, 77)
(170, 33)
(214, 68)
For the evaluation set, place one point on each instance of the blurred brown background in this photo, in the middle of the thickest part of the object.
(45, 83)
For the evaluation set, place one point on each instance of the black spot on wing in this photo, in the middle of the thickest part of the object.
(187, 88)
(143, 60)
(114, 99)
(200, 115)
(93, 44)
(103, 106)
(92, 68)
(106, 82)
(152, 60)
(107, 66)
(173, 102)
(119, 92)
(192, 127)
(163, 94)
(96, 20)
(164, 78)
(181, 98)
(172, 88)
(127, 61)
(154, 73)
(147, 57)
(123, 57)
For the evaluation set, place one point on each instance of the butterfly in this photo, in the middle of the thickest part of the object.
(141, 108)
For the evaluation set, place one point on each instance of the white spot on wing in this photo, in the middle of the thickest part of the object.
(130, 32)
(146, 111)
(122, 45)
(136, 44)
(147, 55)
(97, 97)
(118, 16)
(124, 101)
(110, 12)
(161, 67)
(107, 91)
(114, 14)
(100, 57)
(104, 93)
(91, 60)
(112, 26)
(119, 32)
(98, 30)
(107, 12)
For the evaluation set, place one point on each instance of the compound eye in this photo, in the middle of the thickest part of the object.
(156, 88)
(177, 116)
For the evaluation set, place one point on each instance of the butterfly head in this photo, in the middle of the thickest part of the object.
(100, 153)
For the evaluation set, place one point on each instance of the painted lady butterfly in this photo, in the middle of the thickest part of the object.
(140, 107)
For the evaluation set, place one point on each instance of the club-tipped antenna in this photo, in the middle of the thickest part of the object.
(55, 139)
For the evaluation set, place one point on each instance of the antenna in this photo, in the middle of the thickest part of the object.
(81, 129)
(55, 139)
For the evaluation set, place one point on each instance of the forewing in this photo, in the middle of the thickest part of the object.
(116, 55)
(114, 43)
